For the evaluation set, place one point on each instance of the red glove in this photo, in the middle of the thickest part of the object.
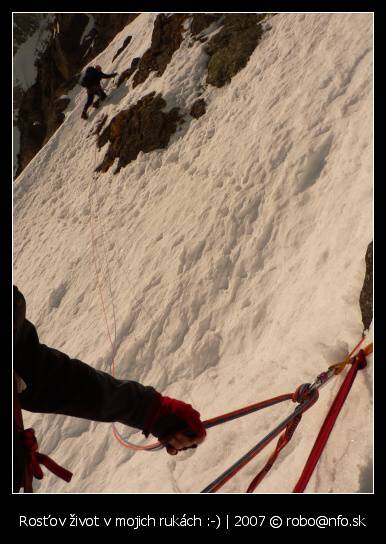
(176, 422)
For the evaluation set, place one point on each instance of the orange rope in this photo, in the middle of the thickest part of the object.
(338, 367)
(115, 431)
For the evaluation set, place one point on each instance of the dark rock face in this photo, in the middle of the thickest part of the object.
(127, 73)
(41, 107)
(32, 126)
(201, 21)
(166, 39)
(366, 296)
(198, 108)
(143, 127)
(123, 47)
(106, 27)
(230, 49)
(24, 25)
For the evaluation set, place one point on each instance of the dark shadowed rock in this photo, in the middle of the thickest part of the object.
(166, 39)
(24, 26)
(61, 103)
(366, 478)
(122, 48)
(366, 296)
(201, 21)
(230, 49)
(143, 127)
(198, 108)
(106, 27)
(127, 73)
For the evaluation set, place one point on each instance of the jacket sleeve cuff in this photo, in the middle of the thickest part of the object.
(153, 414)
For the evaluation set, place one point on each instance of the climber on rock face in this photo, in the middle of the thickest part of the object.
(92, 82)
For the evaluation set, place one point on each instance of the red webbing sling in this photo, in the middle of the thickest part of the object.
(33, 458)
(358, 363)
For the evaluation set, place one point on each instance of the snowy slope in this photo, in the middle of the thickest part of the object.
(236, 257)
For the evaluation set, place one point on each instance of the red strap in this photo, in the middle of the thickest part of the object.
(35, 459)
(359, 362)
(282, 442)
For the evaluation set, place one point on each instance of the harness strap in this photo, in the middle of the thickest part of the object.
(33, 458)
(358, 363)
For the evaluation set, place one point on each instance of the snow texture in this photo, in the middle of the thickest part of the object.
(235, 257)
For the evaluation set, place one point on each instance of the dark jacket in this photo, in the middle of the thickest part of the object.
(93, 77)
(57, 384)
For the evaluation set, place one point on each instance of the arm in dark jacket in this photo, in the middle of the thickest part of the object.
(57, 384)
(107, 76)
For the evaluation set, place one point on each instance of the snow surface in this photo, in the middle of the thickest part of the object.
(235, 257)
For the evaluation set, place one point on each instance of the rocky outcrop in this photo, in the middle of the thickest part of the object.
(127, 73)
(198, 108)
(166, 39)
(201, 21)
(106, 27)
(143, 127)
(24, 26)
(366, 296)
(230, 49)
(40, 108)
(122, 48)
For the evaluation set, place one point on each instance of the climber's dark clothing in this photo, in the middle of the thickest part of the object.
(57, 384)
(92, 82)
(96, 90)
(94, 77)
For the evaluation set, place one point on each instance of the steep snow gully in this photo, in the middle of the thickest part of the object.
(232, 259)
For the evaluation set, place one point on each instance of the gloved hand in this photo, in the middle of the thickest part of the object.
(176, 424)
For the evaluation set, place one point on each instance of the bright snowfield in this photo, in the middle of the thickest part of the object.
(235, 257)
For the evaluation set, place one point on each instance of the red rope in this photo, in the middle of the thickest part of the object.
(282, 442)
(306, 401)
(329, 422)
